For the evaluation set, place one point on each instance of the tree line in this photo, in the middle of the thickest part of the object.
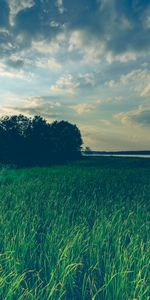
(34, 142)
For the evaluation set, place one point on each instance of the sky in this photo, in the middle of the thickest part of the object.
(84, 61)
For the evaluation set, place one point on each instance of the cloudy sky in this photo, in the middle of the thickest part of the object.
(85, 61)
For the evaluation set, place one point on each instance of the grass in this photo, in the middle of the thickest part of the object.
(75, 232)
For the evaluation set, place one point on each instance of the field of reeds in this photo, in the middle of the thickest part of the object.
(76, 232)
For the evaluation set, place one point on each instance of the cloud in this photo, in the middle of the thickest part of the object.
(137, 75)
(85, 24)
(123, 33)
(128, 35)
(90, 48)
(54, 24)
(123, 58)
(49, 47)
(65, 85)
(87, 79)
(136, 80)
(16, 6)
(31, 106)
(28, 21)
(31, 21)
(6, 111)
(51, 64)
(75, 41)
(83, 108)
(14, 72)
(146, 91)
(139, 116)
(6, 44)
(59, 4)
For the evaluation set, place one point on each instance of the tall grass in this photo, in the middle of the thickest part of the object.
(75, 232)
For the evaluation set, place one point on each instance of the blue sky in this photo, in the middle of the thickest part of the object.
(85, 61)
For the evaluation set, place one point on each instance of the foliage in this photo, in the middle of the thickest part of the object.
(76, 232)
(26, 141)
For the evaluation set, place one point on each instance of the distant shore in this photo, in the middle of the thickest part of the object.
(144, 154)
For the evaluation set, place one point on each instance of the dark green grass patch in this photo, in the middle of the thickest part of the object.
(75, 232)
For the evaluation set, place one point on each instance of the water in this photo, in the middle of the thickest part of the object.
(120, 155)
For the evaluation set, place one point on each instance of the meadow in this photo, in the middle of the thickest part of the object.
(77, 231)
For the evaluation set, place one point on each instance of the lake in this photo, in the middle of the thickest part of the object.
(120, 155)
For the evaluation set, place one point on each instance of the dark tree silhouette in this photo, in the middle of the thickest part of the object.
(33, 141)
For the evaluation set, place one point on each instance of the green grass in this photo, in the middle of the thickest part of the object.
(75, 232)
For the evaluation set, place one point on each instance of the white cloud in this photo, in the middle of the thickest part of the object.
(51, 64)
(44, 47)
(75, 41)
(146, 91)
(88, 78)
(137, 117)
(31, 106)
(123, 58)
(111, 83)
(137, 80)
(94, 50)
(123, 117)
(83, 108)
(52, 47)
(32, 101)
(6, 111)
(59, 4)
(91, 50)
(14, 73)
(4, 30)
(16, 6)
(40, 55)
(54, 24)
(65, 85)
(135, 76)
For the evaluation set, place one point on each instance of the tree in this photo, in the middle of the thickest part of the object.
(33, 141)
(66, 140)
(87, 150)
(12, 138)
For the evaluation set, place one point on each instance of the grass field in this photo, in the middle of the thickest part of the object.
(75, 232)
